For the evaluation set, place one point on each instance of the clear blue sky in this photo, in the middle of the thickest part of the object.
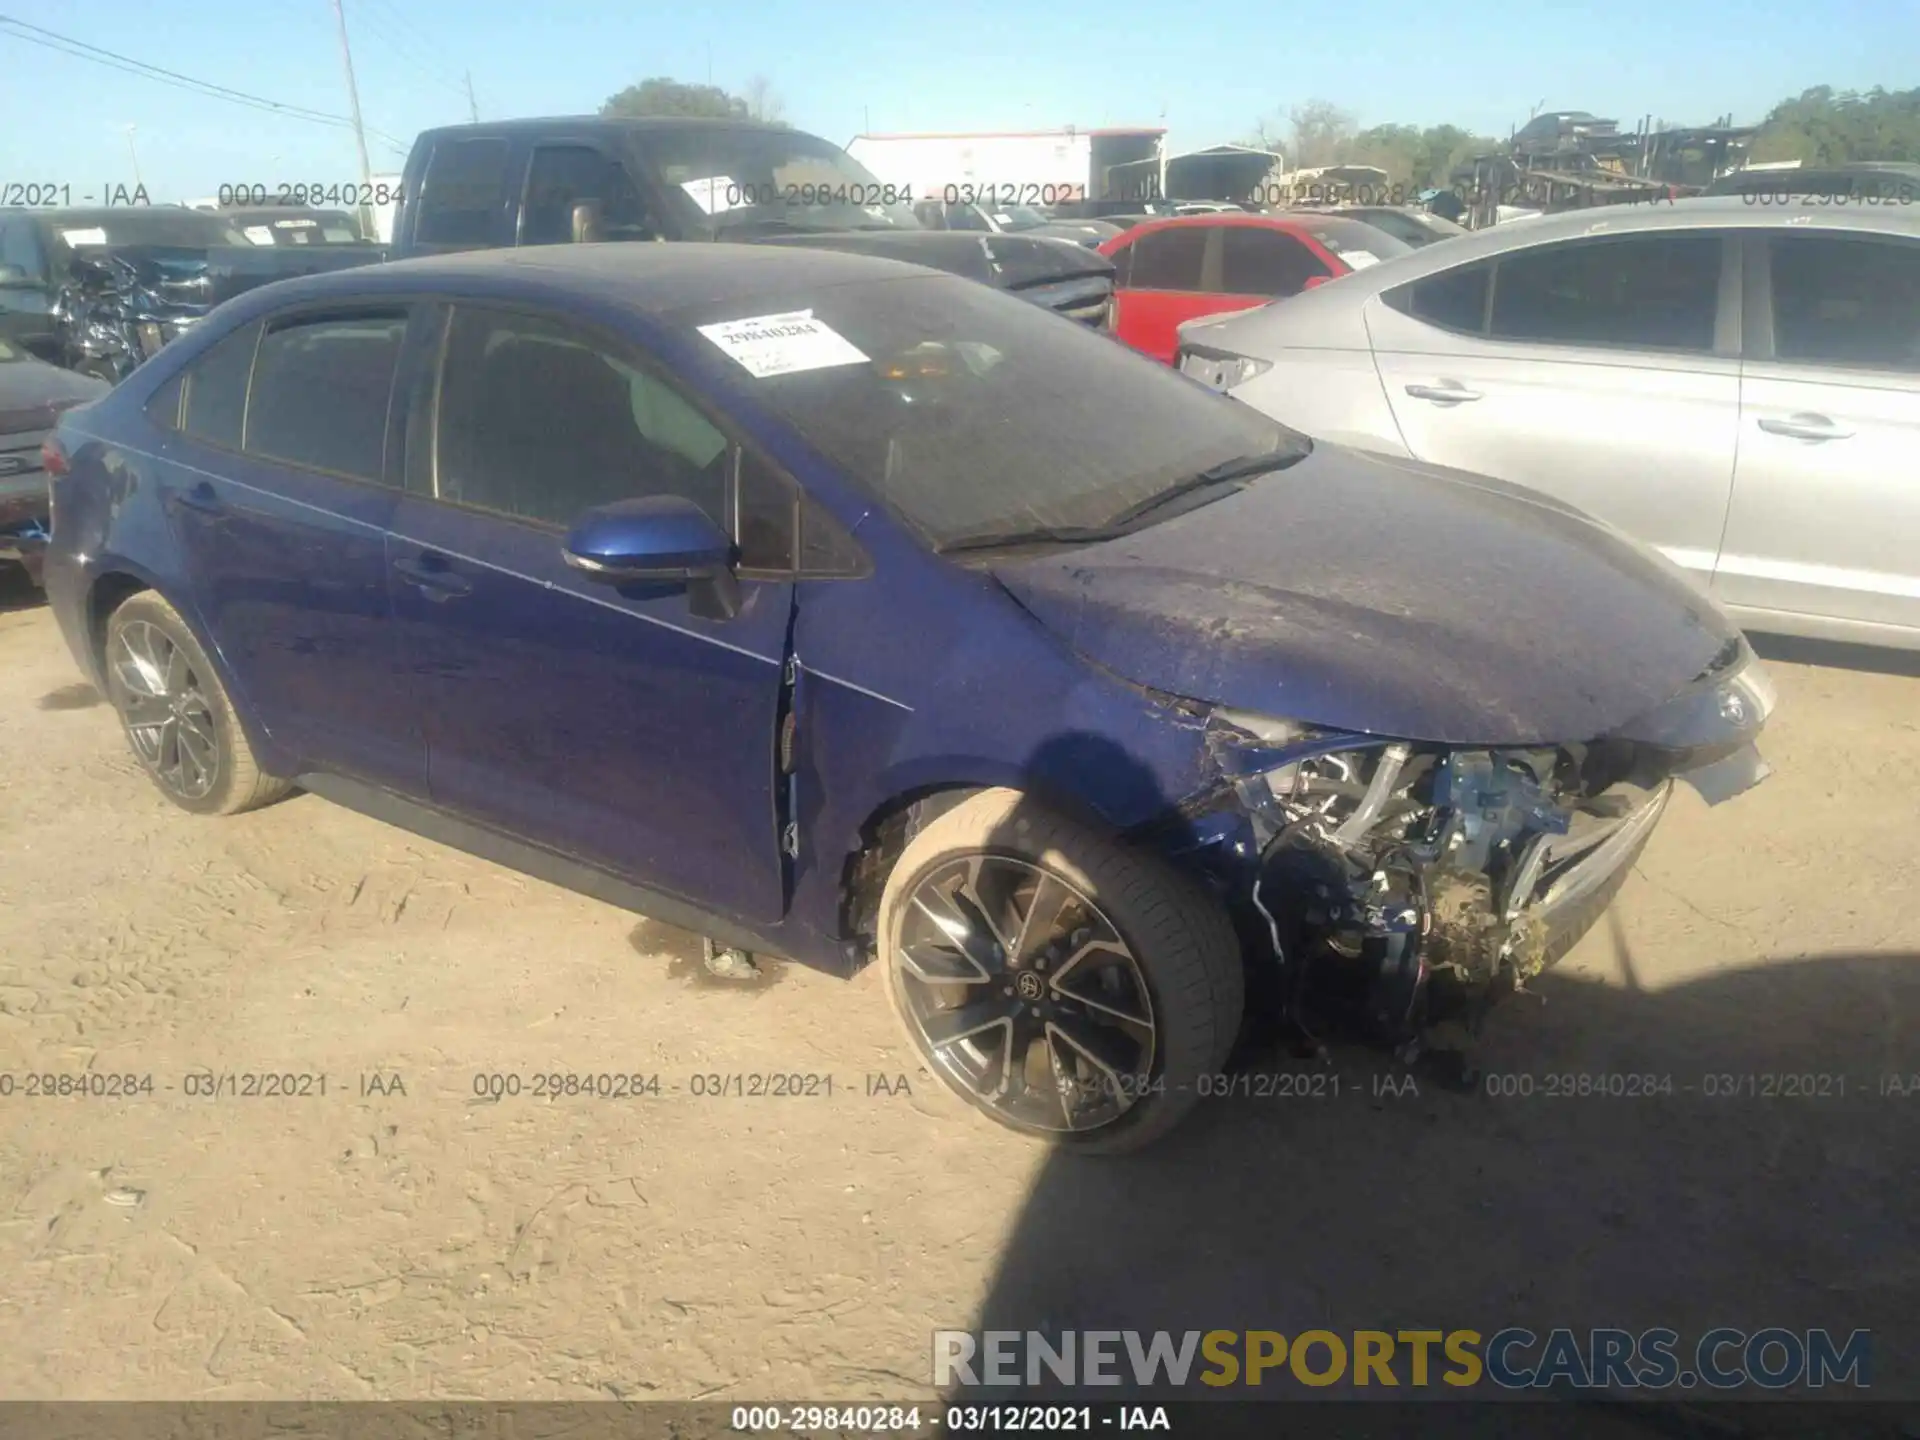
(842, 67)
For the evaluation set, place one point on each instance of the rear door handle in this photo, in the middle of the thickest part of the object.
(1806, 427)
(433, 579)
(1445, 393)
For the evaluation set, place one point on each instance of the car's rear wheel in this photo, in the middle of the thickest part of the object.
(1065, 984)
(178, 719)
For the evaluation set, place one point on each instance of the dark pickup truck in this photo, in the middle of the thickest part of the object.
(99, 290)
(548, 182)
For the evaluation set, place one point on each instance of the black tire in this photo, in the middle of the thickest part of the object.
(233, 779)
(1180, 938)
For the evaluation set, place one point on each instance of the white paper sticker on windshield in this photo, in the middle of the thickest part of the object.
(1359, 259)
(782, 344)
(84, 237)
(258, 234)
(721, 192)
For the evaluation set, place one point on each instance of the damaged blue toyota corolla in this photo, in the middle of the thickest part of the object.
(838, 610)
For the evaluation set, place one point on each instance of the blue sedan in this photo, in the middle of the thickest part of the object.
(841, 611)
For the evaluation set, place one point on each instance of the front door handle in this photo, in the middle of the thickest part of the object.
(432, 579)
(1806, 427)
(1447, 392)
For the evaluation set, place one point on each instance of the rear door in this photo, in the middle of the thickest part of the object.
(1604, 372)
(279, 488)
(1160, 282)
(1826, 496)
(610, 724)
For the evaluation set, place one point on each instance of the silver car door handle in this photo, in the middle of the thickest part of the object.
(1806, 427)
(1443, 394)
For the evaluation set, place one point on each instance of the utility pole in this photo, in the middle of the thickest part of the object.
(137, 183)
(473, 105)
(365, 207)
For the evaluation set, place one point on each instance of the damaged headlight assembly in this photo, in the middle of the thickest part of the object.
(1417, 882)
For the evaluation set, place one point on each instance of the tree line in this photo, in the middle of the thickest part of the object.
(1820, 126)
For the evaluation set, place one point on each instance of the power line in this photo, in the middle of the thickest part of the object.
(369, 19)
(80, 50)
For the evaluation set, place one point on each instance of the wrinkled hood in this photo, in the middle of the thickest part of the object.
(1362, 592)
(1006, 262)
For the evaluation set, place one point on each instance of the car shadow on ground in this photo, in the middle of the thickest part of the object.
(1876, 659)
(1760, 1173)
(17, 592)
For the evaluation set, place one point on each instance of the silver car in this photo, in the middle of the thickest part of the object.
(1737, 383)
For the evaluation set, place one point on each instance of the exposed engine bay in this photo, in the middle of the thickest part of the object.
(1409, 885)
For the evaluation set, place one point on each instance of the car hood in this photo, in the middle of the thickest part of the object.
(31, 394)
(1006, 262)
(1368, 593)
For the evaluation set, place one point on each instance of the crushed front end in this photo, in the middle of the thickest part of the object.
(1414, 883)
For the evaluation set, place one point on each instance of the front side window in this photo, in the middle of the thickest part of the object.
(322, 389)
(1652, 292)
(1258, 261)
(542, 422)
(1846, 301)
(465, 187)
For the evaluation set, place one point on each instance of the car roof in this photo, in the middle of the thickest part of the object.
(658, 123)
(1213, 220)
(82, 216)
(652, 279)
(1708, 212)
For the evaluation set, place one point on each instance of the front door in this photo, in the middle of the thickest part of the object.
(282, 529)
(1159, 283)
(609, 724)
(1601, 372)
(1826, 494)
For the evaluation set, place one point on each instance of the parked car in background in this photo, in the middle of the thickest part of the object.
(1738, 384)
(1011, 220)
(281, 225)
(32, 396)
(1866, 183)
(38, 248)
(698, 576)
(1408, 224)
(1170, 271)
(556, 181)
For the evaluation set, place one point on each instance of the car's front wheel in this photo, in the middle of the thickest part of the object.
(1069, 986)
(176, 714)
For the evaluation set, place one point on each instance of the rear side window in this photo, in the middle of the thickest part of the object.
(164, 407)
(464, 188)
(1168, 259)
(322, 388)
(217, 389)
(1654, 292)
(1257, 261)
(564, 176)
(1845, 301)
(1453, 300)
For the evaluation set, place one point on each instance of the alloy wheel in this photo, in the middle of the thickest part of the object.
(168, 716)
(1025, 994)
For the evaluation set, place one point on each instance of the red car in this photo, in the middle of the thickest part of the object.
(1169, 271)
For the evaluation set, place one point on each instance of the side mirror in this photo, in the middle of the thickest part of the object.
(658, 540)
(12, 277)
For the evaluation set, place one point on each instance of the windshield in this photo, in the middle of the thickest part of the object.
(1015, 218)
(739, 177)
(974, 415)
(141, 225)
(1355, 242)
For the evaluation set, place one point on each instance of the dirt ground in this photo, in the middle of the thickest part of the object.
(677, 1246)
